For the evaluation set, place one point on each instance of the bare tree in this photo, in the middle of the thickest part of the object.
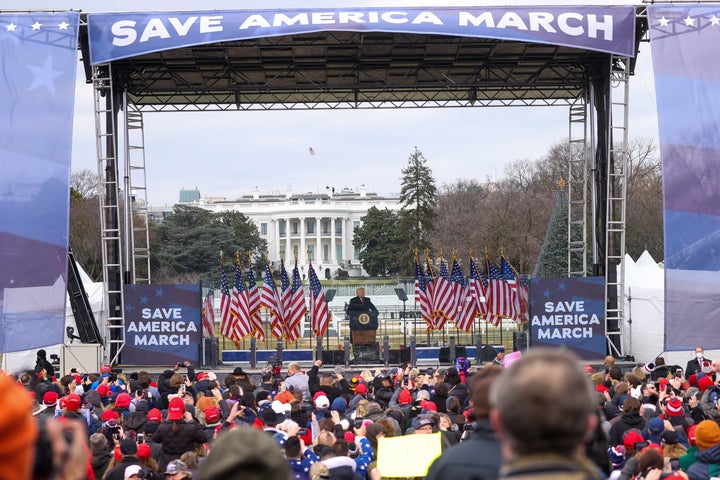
(85, 182)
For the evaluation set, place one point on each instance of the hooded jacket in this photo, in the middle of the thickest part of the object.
(626, 421)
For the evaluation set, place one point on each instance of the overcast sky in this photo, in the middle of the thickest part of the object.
(230, 153)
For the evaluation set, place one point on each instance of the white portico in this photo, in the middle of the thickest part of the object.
(311, 226)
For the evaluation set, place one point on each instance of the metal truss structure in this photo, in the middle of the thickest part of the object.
(351, 70)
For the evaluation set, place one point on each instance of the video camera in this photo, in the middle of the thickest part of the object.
(274, 366)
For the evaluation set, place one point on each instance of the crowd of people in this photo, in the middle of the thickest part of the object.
(544, 416)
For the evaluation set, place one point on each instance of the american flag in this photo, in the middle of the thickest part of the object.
(457, 278)
(430, 287)
(254, 305)
(226, 319)
(311, 151)
(208, 314)
(297, 309)
(318, 307)
(271, 301)
(500, 296)
(239, 306)
(477, 286)
(470, 302)
(285, 294)
(521, 294)
(421, 295)
(443, 296)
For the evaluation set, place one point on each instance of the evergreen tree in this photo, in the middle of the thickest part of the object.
(419, 197)
(553, 258)
(380, 242)
(190, 241)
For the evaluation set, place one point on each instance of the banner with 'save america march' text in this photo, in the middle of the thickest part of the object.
(569, 312)
(162, 324)
(609, 29)
(685, 40)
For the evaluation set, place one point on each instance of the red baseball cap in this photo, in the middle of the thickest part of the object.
(50, 399)
(155, 414)
(212, 414)
(109, 414)
(361, 389)
(106, 369)
(73, 402)
(123, 401)
(103, 390)
(631, 438)
(176, 409)
(143, 451)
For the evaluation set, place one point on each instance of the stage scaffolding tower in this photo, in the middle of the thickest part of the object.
(110, 231)
(616, 203)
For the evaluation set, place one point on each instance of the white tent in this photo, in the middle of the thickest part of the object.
(644, 330)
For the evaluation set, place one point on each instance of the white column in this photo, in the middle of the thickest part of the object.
(344, 239)
(288, 246)
(276, 225)
(318, 249)
(303, 253)
(333, 254)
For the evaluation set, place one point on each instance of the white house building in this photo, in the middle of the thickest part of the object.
(311, 226)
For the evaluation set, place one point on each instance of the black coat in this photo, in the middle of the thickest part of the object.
(693, 366)
(118, 471)
(100, 461)
(623, 424)
(478, 457)
(364, 304)
(174, 444)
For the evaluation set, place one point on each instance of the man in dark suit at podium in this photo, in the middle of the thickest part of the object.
(363, 318)
(361, 303)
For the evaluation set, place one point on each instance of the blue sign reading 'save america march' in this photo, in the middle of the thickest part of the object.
(162, 324)
(608, 29)
(569, 312)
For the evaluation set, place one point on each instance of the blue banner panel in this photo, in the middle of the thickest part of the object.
(685, 39)
(38, 57)
(608, 29)
(569, 312)
(162, 324)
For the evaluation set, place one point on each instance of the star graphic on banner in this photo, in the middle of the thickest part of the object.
(689, 21)
(159, 292)
(44, 76)
(546, 293)
(129, 308)
(664, 21)
(11, 27)
(562, 286)
(64, 25)
(144, 300)
(714, 21)
(36, 25)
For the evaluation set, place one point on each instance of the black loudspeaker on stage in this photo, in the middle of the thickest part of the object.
(333, 357)
(366, 353)
(444, 355)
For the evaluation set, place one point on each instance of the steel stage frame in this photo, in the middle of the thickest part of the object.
(353, 70)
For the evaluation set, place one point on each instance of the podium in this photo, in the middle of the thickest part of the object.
(363, 335)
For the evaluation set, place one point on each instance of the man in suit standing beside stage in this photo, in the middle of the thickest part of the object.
(361, 303)
(696, 364)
